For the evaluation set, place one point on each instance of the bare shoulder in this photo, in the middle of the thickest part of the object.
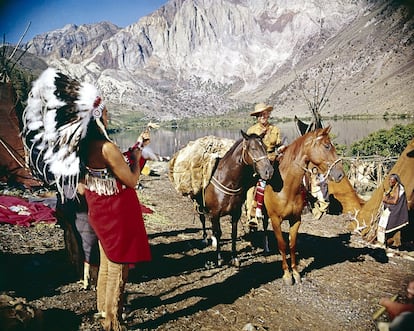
(110, 151)
(109, 146)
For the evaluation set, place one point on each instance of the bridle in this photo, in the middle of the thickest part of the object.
(332, 165)
(229, 191)
(254, 160)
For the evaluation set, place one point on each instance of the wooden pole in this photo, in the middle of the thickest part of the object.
(382, 310)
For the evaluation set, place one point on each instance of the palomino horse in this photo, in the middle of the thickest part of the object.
(287, 204)
(226, 191)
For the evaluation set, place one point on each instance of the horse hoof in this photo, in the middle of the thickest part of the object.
(235, 262)
(213, 242)
(296, 277)
(287, 279)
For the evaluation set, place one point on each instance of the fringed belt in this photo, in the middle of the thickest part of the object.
(101, 181)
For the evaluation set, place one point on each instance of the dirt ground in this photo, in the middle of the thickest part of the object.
(342, 277)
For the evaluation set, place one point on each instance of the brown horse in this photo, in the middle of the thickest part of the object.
(287, 203)
(226, 191)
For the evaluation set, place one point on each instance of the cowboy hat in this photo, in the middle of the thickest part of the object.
(260, 108)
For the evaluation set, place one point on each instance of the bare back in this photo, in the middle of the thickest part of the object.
(105, 154)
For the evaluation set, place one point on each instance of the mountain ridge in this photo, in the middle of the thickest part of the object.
(191, 58)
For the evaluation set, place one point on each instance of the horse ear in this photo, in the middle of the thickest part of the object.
(244, 134)
(327, 130)
(320, 133)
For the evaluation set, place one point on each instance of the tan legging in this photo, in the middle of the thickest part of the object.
(250, 211)
(112, 278)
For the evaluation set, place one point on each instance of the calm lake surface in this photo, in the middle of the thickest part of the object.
(166, 142)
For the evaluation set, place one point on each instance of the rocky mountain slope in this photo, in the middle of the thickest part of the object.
(194, 57)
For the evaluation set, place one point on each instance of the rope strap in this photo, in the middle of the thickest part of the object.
(223, 188)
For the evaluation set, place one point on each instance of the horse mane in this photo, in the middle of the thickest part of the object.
(232, 148)
(227, 154)
(293, 150)
(276, 182)
(238, 142)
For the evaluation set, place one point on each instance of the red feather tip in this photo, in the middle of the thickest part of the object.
(97, 102)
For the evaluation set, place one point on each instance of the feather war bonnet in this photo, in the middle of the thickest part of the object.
(55, 120)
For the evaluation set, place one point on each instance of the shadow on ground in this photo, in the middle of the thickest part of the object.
(325, 252)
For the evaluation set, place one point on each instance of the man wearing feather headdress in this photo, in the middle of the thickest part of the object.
(65, 134)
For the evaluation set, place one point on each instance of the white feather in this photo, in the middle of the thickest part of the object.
(58, 146)
(87, 96)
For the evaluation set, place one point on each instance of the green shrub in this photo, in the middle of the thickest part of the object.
(386, 143)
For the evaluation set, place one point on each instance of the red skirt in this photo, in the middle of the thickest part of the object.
(118, 223)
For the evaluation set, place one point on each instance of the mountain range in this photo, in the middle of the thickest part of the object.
(211, 57)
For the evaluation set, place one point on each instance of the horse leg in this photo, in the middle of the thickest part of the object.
(293, 234)
(265, 238)
(281, 244)
(215, 222)
(203, 223)
(234, 220)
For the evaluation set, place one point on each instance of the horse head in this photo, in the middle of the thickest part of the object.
(322, 153)
(254, 154)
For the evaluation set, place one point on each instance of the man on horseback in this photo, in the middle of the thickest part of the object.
(273, 144)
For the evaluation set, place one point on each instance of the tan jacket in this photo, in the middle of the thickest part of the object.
(272, 138)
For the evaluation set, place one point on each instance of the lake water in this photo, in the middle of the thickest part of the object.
(166, 142)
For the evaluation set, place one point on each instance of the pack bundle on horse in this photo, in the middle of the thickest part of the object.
(287, 203)
(191, 167)
(226, 188)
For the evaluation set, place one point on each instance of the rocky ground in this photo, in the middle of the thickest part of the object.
(342, 277)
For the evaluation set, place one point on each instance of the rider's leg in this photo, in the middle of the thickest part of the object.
(259, 197)
(251, 207)
(254, 203)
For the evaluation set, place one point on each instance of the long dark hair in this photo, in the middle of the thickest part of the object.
(93, 133)
(397, 178)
